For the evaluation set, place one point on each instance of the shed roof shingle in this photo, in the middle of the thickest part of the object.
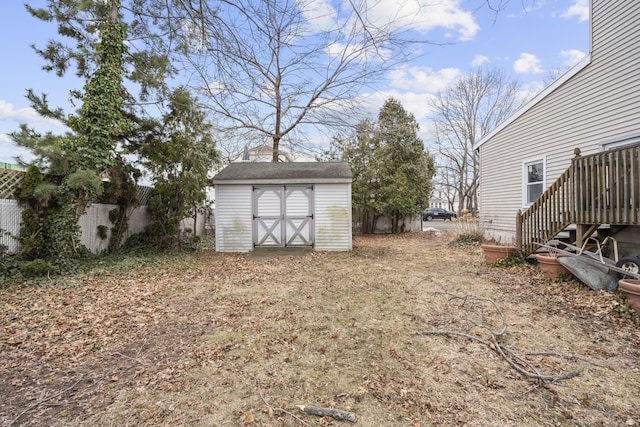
(286, 172)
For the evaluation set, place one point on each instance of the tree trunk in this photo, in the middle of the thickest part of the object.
(395, 220)
(276, 149)
(195, 220)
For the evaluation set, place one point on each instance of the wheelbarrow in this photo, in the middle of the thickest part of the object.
(593, 268)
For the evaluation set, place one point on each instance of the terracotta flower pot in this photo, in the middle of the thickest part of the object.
(492, 253)
(551, 268)
(632, 288)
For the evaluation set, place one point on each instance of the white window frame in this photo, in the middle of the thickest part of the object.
(525, 183)
(620, 142)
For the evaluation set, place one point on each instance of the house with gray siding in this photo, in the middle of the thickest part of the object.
(303, 204)
(569, 160)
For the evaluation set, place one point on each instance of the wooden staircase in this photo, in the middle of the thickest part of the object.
(602, 188)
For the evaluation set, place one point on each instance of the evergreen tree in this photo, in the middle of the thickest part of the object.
(179, 160)
(392, 172)
(74, 161)
(406, 170)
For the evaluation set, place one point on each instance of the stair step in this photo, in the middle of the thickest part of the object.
(573, 227)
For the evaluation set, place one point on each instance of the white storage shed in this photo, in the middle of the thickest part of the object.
(304, 204)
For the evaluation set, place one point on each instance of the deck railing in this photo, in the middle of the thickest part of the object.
(608, 187)
(602, 188)
(548, 215)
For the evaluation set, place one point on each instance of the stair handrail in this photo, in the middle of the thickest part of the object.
(551, 213)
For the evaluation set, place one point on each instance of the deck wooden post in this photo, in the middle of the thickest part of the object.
(519, 229)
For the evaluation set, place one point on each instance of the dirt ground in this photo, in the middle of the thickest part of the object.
(404, 330)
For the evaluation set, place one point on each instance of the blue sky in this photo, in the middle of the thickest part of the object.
(527, 40)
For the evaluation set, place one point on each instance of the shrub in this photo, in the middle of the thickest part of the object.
(37, 267)
(468, 233)
(515, 258)
(9, 265)
(103, 232)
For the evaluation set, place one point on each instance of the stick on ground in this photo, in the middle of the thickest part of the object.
(328, 412)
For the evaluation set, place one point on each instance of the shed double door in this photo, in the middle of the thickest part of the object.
(283, 215)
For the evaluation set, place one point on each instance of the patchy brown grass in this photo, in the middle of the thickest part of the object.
(224, 339)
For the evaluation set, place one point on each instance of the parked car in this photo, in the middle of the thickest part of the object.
(438, 213)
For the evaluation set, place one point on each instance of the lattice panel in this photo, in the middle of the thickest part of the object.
(144, 193)
(9, 181)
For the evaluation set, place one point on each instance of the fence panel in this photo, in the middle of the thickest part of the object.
(9, 180)
(98, 214)
(10, 217)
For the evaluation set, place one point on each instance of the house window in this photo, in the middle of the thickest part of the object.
(533, 180)
(619, 143)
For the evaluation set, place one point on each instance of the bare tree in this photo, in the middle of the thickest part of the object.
(464, 113)
(270, 68)
(444, 185)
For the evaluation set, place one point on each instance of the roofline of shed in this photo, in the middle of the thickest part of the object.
(536, 99)
(274, 181)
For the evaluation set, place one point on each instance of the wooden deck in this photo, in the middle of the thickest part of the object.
(602, 188)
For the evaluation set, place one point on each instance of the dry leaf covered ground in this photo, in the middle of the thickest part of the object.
(215, 339)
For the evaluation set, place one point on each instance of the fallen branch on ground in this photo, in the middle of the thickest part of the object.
(336, 414)
(130, 358)
(276, 408)
(564, 356)
(53, 396)
(513, 359)
(474, 299)
(42, 401)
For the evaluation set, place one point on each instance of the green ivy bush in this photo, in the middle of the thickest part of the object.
(37, 267)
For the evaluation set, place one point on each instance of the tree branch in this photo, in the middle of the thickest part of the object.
(511, 357)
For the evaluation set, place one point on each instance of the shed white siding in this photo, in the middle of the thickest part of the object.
(283, 205)
(333, 217)
(233, 218)
(600, 103)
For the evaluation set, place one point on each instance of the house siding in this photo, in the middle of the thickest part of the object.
(233, 218)
(333, 217)
(600, 103)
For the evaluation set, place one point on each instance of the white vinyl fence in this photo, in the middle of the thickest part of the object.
(384, 225)
(10, 217)
(96, 215)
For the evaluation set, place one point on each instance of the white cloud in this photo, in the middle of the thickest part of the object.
(357, 52)
(422, 79)
(579, 9)
(9, 151)
(415, 103)
(418, 15)
(425, 16)
(529, 90)
(319, 14)
(571, 56)
(527, 63)
(28, 116)
(478, 60)
(10, 118)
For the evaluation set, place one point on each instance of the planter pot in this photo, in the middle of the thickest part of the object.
(632, 289)
(492, 253)
(551, 268)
